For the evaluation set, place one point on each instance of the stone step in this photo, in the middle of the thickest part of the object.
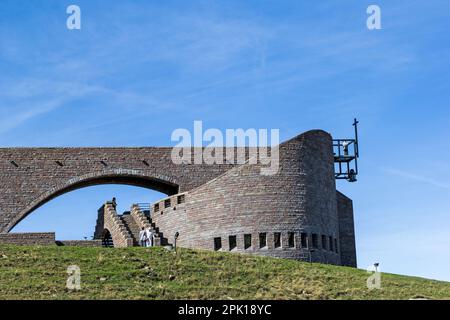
(156, 231)
(131, 227)
(134, 230)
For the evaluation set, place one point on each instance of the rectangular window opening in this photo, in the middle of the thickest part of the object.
(315, 241)
(291, 240)
(167, 203)
(232, 242)
(262, 240)
(247, 241)
(324, 242)
(217, 244)
(277, 240)
(180, 199)
(304, 240)
(331, 244)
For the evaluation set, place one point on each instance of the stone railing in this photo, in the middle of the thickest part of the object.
(80, 243)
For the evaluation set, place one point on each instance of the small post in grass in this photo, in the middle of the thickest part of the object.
(175, 240)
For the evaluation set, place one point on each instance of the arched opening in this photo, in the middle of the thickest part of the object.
(73, 214)
(107, 240)
(163, 184)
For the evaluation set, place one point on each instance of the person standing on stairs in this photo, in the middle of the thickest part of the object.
(149, 235)
(143, 237)
(114, 203)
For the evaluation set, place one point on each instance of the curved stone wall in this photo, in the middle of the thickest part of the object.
(293, 210)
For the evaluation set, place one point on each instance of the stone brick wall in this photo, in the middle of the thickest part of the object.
(37, 238)
(80, 243)
(346, 230)
(29, 177)
(172, 219)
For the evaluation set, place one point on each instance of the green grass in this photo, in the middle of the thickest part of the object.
(156, 273)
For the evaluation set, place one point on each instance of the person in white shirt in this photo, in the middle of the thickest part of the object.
(143, 237)
(149, 236)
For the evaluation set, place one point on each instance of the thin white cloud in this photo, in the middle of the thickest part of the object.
(18, 118)
(26, 99)
(416, 177)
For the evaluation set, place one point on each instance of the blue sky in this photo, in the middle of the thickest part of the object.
(137, 70)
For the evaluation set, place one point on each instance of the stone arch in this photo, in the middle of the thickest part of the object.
(107, 240)
(161, 183)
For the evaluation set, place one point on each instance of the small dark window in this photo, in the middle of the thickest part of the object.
(232, 242)
(157, 207)
(180, 199)
(291, 240)
(335, 245)
(331, 243)
(217, 243)
(247, 241)
(277, 240)
(304, 240)
(262, 240)
(324, 242)
(167, 203)
(315, 241)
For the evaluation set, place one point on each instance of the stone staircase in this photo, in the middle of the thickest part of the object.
(144, 220)
(134, 220)
(132, 227)
(110, 228)
(123, 230)
(155, 230)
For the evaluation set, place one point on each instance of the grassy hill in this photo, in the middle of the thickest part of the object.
(156, 273)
